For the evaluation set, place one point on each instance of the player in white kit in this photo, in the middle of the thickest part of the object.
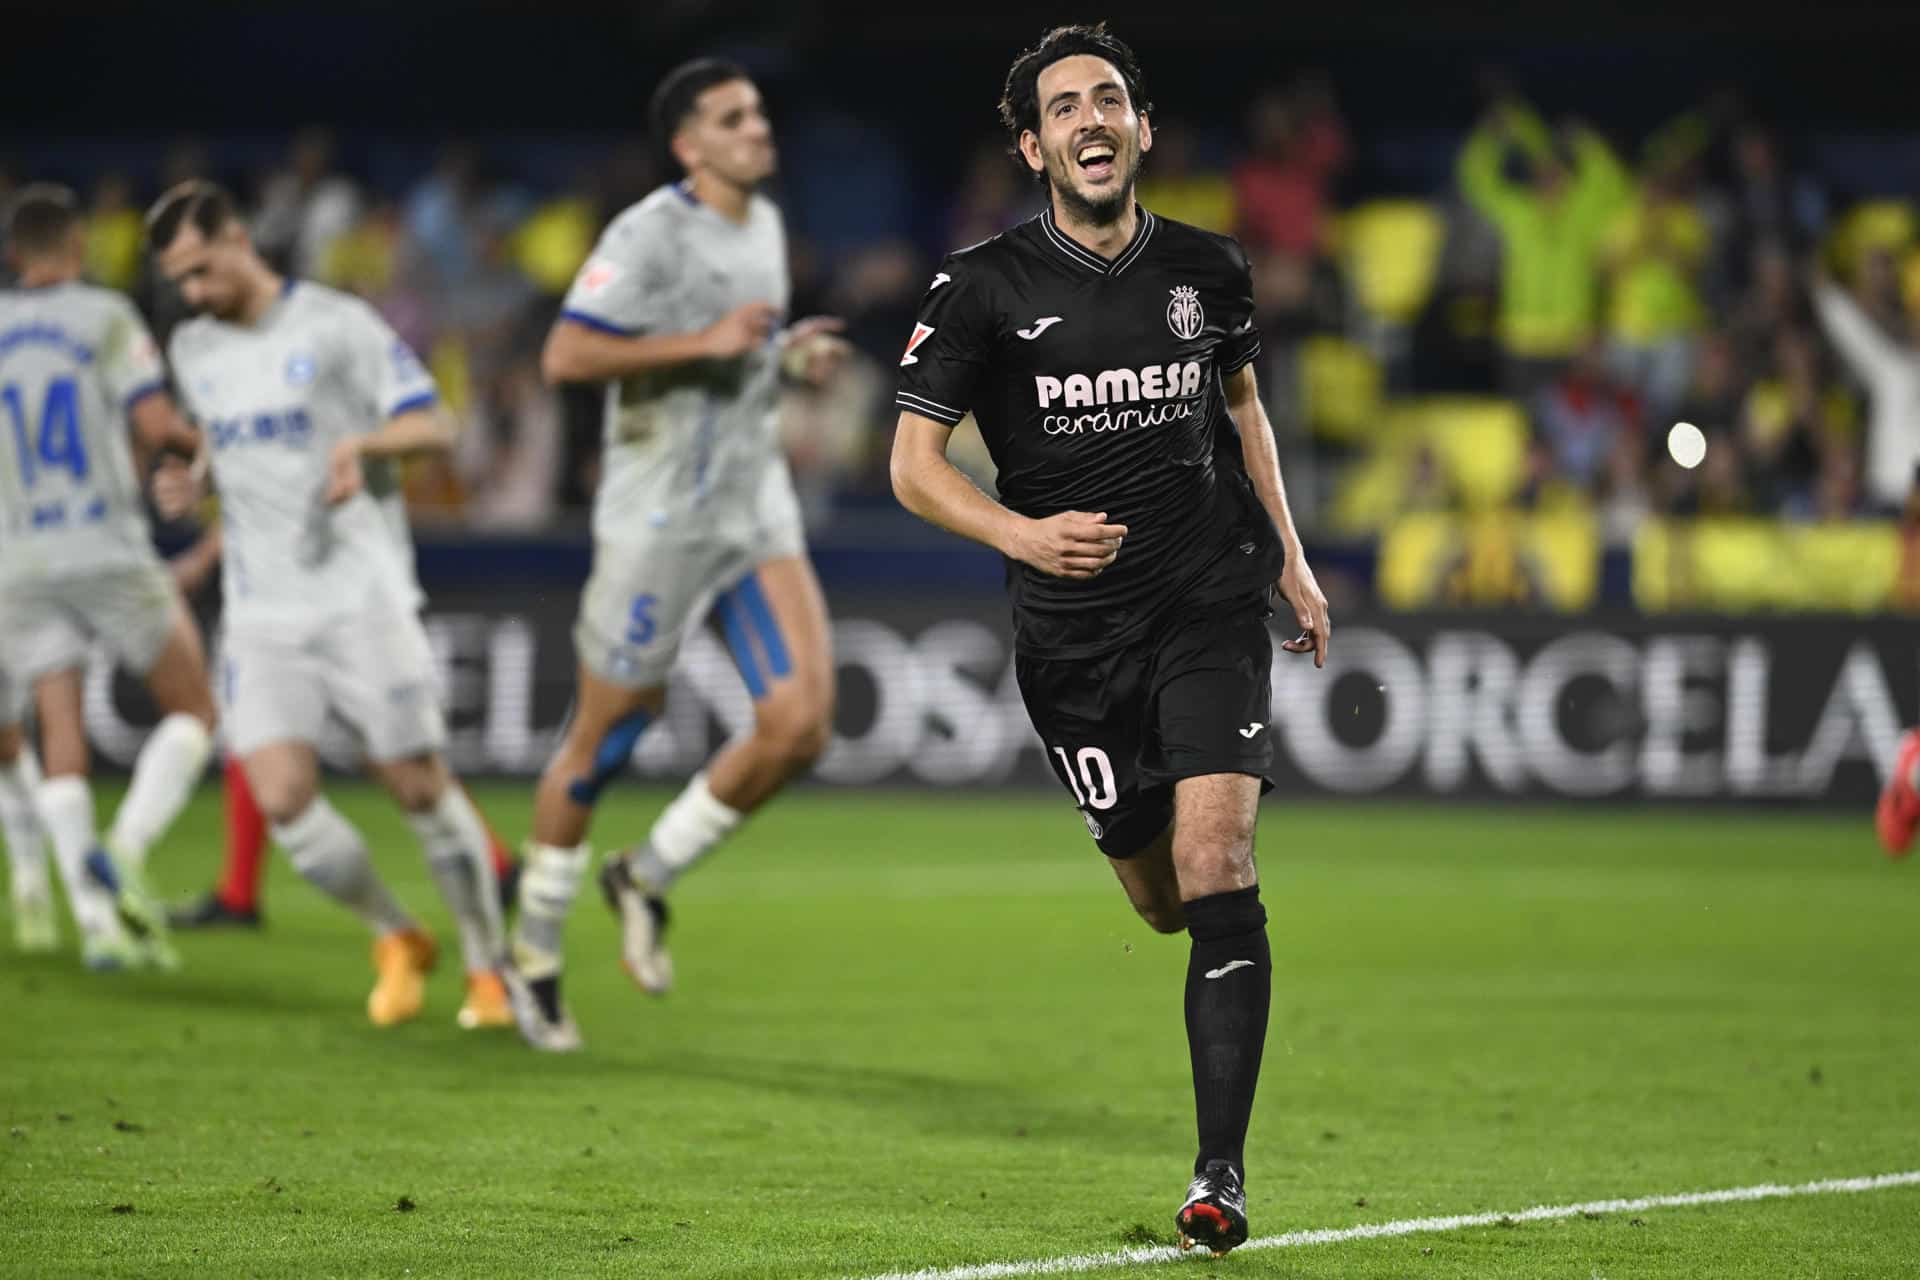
(678, 311)
(77, 570)
(28, 886)
(307, 401)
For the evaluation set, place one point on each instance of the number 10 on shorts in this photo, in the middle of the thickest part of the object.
(1093, 787)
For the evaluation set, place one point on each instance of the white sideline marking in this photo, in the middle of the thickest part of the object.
(1148, 1255)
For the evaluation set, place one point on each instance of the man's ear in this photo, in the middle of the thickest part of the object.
(1146, 135)
(682, 150)
(1030, 151)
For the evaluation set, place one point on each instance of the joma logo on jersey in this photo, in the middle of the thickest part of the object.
(1119, 386)
(293, 427)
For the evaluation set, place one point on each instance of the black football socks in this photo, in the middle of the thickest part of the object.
(1229, 986)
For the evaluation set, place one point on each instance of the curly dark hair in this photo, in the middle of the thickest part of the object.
(1020, 100)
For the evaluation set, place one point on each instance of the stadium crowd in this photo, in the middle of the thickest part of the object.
(1521, 336)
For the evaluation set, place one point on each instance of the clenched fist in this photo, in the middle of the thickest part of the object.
(1073, 544)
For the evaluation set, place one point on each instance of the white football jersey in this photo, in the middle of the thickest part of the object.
(73, 359)
(274, 398)
(686, 448)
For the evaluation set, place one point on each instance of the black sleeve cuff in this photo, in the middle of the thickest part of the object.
(1240, 359)
(926, 408)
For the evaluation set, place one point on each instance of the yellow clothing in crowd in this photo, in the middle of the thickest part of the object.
(1551, 245)
(1202, 200)
(1657, 247)
(551, 245)
(113, 248)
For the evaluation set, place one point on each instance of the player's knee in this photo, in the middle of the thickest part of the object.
(1221, 835)
(1219, 852)
(10, 743)
(201, 707)
(180, 686)
(416, 785)
(1162, 917)
(796, 733)
(283, 795)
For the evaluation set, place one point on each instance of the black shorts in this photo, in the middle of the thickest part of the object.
(1190, 698)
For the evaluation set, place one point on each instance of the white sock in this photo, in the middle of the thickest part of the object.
(66, 807)
(686, 831)
(455, 840)
(20, 826)
(329, 853)
(549, 882)
(164, 775)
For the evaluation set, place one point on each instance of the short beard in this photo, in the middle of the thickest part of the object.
(1106, 210)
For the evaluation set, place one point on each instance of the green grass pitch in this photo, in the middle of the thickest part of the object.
(921, 1031)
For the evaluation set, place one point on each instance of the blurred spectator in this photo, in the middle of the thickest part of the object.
(993, 196)
(1296, 297)
(1624, 498)
(1771, 305)
(1889, 369)
(509, 456)
(1790, 421)
(1769, 209)
(1713, 401)
(1837, 493)
(1581, 419)
(1878, 287)
(484, 307)
(436, 213)
(306, 206)
(876, 291)
(1281, 187)
(830, 437)
(366, 259)
(114, 233)
(1717, 487)
(551, 244)
(1174, 185)
(1551, 230)
(1656, 248)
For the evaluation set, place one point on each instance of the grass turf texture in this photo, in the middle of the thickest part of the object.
(916, 1030)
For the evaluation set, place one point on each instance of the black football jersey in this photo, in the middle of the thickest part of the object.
(1097, 387)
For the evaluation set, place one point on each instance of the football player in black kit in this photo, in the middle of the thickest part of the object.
(1106, 355)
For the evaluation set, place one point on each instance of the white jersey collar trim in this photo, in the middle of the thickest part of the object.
(1074, 251)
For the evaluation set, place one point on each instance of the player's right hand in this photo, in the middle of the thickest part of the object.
(741, 330)
(1073, 544)
(177, 486)
(345, 476)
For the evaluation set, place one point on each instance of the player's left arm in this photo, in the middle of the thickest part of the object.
(386, 371)
(1262, 458)
(415, 431)
(133, 376)
(160, 427)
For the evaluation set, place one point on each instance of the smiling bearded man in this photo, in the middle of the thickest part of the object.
(1106, 354)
